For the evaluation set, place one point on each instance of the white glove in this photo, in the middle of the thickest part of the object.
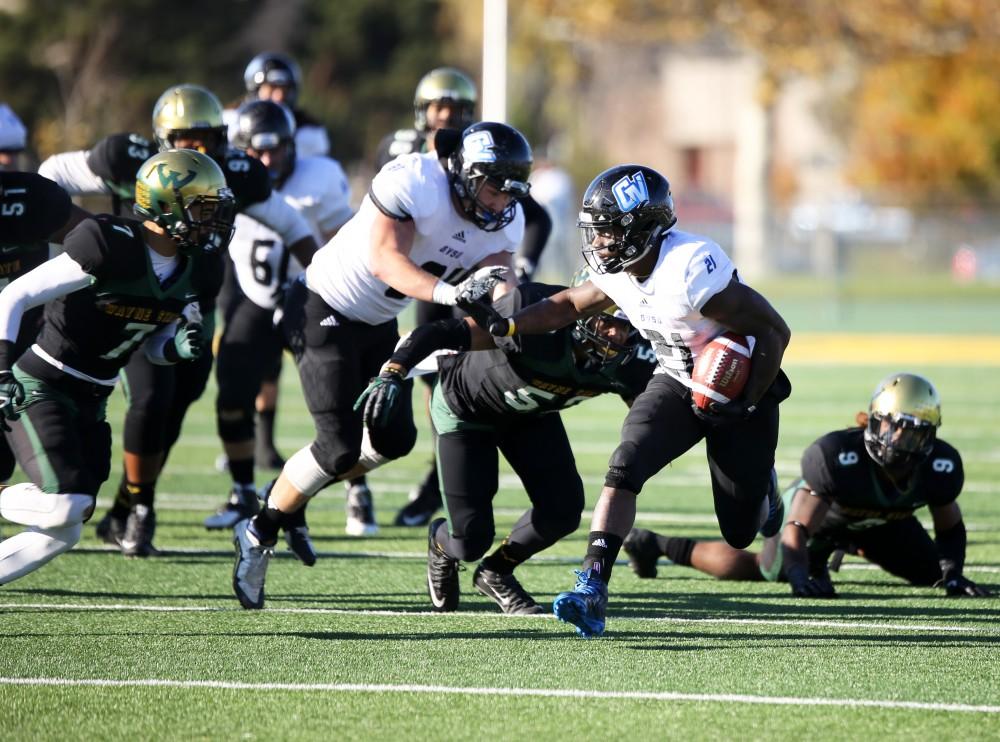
(475, 287)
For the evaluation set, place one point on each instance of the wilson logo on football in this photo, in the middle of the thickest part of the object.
(721, 370)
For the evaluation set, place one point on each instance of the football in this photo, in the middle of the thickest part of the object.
(721, 370)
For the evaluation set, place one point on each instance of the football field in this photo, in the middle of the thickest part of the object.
(94, 646)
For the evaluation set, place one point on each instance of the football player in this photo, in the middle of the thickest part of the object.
(428, 229)
(251, 345)
(277, 78)
(185, 116)
(443, 105)
(13, 139)
(508, 401)
(119, 284)
(859, 492)
(681, 291)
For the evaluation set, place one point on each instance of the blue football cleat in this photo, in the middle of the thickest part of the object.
(775, 508)
(584, 605)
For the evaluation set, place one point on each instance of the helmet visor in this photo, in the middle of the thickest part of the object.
(899, 438)
(208, 222)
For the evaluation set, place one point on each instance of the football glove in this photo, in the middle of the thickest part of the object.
(476, 286)
(380, 398)
(805, 585)
(11, 397)
(725, 414)
(958, 586)
(188, 342)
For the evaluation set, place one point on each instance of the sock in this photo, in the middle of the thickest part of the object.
(264, 430)
(677, 550)
(507, 557)
(266, 524)
(362, 480)
(602, 551)
(138, 494)
(123, 501)
(242, 471)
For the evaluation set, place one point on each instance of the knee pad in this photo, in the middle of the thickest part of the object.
(234, 425)
(390, 444)
(26, 504)
(620, 469)
(304, 473)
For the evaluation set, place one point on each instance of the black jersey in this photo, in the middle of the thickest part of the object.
(246, 177)
(400, 142)
(31, 208)
(545, 376)
(838, 468)
(96, 329)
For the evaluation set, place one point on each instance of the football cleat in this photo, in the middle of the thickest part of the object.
(442, 573)
(252, 557)
(643, 552)
(137, 541)
(584, 606)
(506, 592)
(775, 508)
(111, 529)
(424, 502)
(242, 504)
(297, 537)
(360, 511)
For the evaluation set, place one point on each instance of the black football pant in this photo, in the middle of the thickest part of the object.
(660, 426)
(336, 358)
(539, 452)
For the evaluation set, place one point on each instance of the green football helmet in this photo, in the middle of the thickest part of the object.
(903, 418)
(185, 193)
(189, 111)
(445, 84)
(591, 334)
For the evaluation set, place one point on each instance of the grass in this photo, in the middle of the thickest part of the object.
(348, 649)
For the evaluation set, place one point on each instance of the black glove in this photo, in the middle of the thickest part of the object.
(805, 585)
(11, 397)
(957, 586)
(725, 414)
(380, 398)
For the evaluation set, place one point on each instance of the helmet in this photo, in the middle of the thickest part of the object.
(13, 138)
(630, 206)
(591, 333)
(266, 126)
(903, 419)
(188, 108)
(273, 69)
(445, 84)
(185, 193)
(494, 153)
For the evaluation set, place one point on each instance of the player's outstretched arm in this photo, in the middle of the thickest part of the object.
(949, 532)
(554, 312)
(807, 513)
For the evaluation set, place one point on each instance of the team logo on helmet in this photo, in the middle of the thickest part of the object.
(172, 178)
(479, 147)
(630, 191)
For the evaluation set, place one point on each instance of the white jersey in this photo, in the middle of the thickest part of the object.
(319, 191)
(446, 244)
(666, 307)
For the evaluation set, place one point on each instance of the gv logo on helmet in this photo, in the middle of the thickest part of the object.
(630, 191)
(479, 146)
(173, 178)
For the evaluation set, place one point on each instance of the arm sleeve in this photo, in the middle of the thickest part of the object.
(537, 228)
(154, 345)
(276, 213)
(951, 549)
(71, 171)
(445, 334)
(708, 273)
(57, 277)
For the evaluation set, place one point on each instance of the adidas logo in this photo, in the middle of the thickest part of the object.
(330, 321)
(600, 542)
(643, 302)
(460, 236)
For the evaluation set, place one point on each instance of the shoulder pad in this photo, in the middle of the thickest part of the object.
(33, 207)
(247, 178)
(117, 157)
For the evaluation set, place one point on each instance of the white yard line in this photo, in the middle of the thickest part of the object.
(513, 692)
(790, 623)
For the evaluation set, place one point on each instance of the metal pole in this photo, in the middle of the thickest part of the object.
(495, 60)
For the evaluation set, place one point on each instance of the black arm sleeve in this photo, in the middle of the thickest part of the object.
(951, 549)
(537, 228)
(445, 334)
(6, 355)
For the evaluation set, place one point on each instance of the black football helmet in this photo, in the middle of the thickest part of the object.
(592, 334)
(626, 209)
(493, 153)
(264, 126)
(273, 69)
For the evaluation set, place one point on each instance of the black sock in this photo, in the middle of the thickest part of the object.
(363, 480)
(677, 550)
(264, 430)
(602, 551)
(242, 471)
(507, 557)
(140, 494)
(123, 501)
(267, 523)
